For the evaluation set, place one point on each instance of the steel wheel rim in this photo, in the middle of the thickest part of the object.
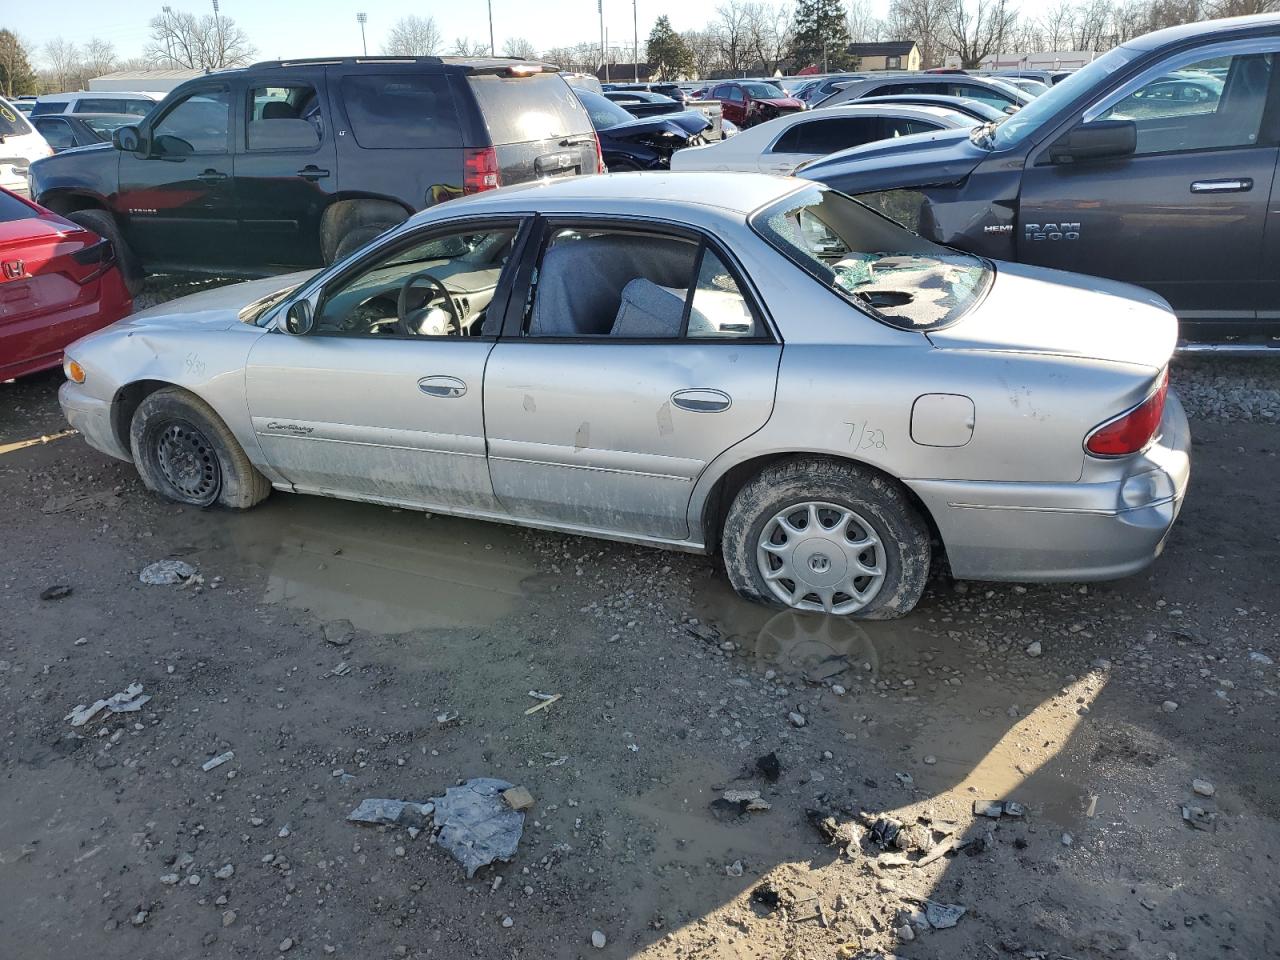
(188, 462)
(822, 557)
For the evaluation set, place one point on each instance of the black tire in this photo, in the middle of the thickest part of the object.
(104, 225)
(185, 453)
(358, 237)
(882, 504)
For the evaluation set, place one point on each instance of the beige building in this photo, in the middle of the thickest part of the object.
(887, 55)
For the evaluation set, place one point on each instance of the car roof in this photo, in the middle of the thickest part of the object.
(94, 95)
(462, 64)
(880, 107)
(1263, 23)
(738, 193)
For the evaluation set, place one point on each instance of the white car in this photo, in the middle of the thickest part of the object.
(783, 144)
(97, 101)
(20, 146)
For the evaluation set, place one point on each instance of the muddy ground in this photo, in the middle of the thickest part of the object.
(670, 688)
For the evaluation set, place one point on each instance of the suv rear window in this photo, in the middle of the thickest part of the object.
(139, 108)
(520, 109)
(401, 112)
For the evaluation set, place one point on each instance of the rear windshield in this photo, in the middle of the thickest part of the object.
(11, 208)
(898, 277)
(12, 123)
(763, 91)
(401, 111)
(137, 108)
(520, 109)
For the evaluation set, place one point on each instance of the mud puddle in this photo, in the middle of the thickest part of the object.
(914, 691)
(385, 570)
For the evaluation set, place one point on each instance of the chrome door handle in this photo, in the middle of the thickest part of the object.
(1237, 185)
(702, 400)
(447, 387)
(212, 176)
(312, 173)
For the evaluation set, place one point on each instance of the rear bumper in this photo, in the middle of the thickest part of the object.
(91, 417)
(1089, 530)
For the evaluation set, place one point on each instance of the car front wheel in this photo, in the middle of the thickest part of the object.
(828, 537)
(184, 452)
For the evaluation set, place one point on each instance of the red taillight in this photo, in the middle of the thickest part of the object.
(600, 167)
(97, 257)
(1131, 431)
(480, 170)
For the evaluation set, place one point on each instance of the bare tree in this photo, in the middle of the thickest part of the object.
(977, 31)
(704, 51)
(63, 60)
(925, 22)
(519, 47)
(864, 25)
(769, 30)
(732, 37)
(99, 58)
(1056, 25)
(463, 47)
(413, 36)
(1240, 8)
(180, 39)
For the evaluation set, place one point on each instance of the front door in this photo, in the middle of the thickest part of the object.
(1184, 216)
(285, 169)
(638, 361)
(176, 200)
(383, 400)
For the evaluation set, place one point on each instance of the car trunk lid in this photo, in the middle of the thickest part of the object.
(1035, 310)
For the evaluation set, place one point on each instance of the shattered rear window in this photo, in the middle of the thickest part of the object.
(898, 277)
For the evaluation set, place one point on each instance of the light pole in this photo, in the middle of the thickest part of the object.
(600, 10)
(362, 19)
(635, 41)
(168, 33)
(493, 50)
(217, 26)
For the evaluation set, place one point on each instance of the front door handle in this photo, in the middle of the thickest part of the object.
(1235, 185)
(312, 172)
(448, 387)
(212, 176)
(702, 400)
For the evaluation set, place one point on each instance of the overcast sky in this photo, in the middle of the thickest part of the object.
(303, 28)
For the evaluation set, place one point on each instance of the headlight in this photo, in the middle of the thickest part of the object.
(74, 372)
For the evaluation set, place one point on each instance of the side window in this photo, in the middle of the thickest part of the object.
(736, 94)
(828, 136)
(975, 92)
(403, 111)
(632, 285)
(437, 287)
(284, 118)
(1210, 105)
(900, 127)
(56, 132)
(199, 123)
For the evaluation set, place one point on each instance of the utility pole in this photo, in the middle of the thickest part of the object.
(362, 19)
(635, 40)
(168, 34)
(600, 10)
(493, 50)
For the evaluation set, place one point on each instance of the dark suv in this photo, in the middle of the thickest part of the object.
(298, 163)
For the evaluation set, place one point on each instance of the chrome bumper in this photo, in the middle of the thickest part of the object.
(91, 417)
(1109, 525)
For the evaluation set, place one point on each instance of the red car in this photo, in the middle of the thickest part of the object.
(58, 282)
(748, 102)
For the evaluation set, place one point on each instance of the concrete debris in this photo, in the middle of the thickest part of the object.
(1199, 818)
(996, 808)
(341, 670)
(225, 872)
(166, 573)
(1169, 706)
(1260, 658)
(942, 916)
(747, 800)
(797, 719)
(217, 761)
(1203, 788)
(338, 632)
(518, 798)
(1034, 649)
(404, 813)
(129, 700)
(476, 825)
(734, 869)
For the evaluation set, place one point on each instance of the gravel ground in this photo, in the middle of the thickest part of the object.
(1229, 389)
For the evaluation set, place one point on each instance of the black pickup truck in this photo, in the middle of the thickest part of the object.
(1155, 164)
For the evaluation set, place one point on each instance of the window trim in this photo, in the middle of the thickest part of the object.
(520, 299)
(248, 117)
(315, 291)
(229, 146)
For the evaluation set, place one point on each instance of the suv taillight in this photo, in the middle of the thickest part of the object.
(600, 167)
(480, 170)
(1132, 430)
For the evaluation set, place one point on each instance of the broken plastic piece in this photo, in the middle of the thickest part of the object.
(476, 825)
(403, 813)
(217, 761)
(128, 700)
(165, 573)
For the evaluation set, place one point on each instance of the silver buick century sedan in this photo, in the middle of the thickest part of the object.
(692, 361)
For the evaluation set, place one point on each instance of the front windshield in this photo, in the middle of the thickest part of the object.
(1010, 132)
(763, 91)
(898, 277)
(604, 112)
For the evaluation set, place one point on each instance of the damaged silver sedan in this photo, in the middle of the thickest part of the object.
(693, 361)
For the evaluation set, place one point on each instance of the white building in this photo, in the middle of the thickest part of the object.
(148, 81)
(1046, 60)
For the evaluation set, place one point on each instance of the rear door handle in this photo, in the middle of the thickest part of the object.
(212, 176)
(1236, 185)
(448, 387)
(312, 172)
(702, 400)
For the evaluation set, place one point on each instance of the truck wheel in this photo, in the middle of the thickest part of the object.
(828, 537)
(104, 225)
(184, 452)
(357, 238)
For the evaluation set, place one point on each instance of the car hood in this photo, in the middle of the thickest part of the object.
(1036, 310)
(648, 126)
(920, 160)
(219, 307)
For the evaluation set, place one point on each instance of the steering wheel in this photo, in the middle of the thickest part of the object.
(404, 314)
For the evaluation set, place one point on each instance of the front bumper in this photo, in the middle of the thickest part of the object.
(1100, 528)
(91, 417)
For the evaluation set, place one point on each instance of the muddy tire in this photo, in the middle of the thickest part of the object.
(827, 536)
(357, 238)
(104, 225)
(185, 453)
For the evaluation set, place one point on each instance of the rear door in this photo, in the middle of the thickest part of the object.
(536, 124)
(285, 168)
(1185, 215)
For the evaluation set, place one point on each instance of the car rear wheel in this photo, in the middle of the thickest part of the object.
(184, 452)
(357, 238)
(104, 225)
(827, 537)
